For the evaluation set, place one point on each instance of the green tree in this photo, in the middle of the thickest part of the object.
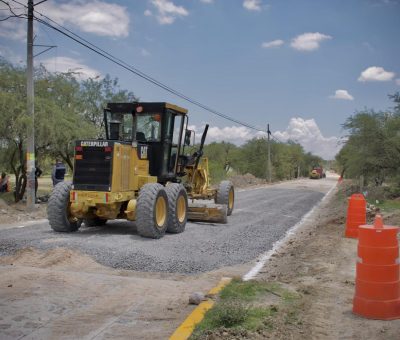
(96, 93)
(63, 113)
(372, 149)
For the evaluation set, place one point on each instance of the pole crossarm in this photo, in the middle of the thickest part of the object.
(49, 47)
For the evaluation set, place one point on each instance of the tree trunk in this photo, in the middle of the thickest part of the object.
(67, 160)
(19, 172)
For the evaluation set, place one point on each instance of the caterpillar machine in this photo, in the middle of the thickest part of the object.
(140, 173)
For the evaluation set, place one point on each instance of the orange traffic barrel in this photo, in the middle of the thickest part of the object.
(356, 214)
(377, 293)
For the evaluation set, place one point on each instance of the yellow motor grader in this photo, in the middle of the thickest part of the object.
(141, 173)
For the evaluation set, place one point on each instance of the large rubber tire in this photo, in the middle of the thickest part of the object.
(152, 211)
(94, 222)
(178, 208)
(58, 210)
(226, 195)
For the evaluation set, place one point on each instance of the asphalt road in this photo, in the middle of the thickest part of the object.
(261, 217)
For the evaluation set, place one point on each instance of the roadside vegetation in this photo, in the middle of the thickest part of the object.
(66, 109)
(371, 154)
(288, 160)
(248, 309)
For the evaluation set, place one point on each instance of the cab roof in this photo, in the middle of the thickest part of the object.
(147, 107)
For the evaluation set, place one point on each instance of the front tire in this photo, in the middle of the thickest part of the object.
(152, 211)
(226, 195)
(178, 208)
(58, 212)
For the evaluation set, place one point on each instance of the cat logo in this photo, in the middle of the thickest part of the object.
(143, 151)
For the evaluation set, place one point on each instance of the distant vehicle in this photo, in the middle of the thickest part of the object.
(317, 173)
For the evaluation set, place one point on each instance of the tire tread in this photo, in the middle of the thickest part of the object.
(145, 211)
(222, 196)
(173, 191)
(56, 209)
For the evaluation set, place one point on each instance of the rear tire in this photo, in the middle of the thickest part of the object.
(152, 211)
(94, 222)
(178, 208)
(226, 195)
(58, 212)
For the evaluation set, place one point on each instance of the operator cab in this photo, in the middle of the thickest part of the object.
(156, 128)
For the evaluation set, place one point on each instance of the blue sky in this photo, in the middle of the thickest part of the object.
(303, 66)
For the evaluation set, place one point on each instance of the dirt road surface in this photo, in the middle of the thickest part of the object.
(103, 283)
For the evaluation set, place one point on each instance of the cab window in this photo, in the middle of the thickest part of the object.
(148, 127)
(120, 126)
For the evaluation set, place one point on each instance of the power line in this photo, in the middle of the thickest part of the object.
(134, 70)
(276, 139)
(14, 15)
(80, 40)
(19, 3)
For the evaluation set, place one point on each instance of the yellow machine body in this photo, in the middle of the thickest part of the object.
(129, 174)
(198, 181)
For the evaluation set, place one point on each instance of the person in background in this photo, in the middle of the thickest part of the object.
(4, 183)
(58, 173)
(38, 173)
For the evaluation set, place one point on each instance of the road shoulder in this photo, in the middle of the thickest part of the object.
(319, 263)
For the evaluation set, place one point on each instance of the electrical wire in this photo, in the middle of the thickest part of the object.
(277, 139)
(14, 15)
(19, 3)
(134, 70)
(78, 39)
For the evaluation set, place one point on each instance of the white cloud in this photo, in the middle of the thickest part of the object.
(148, 13)
(272, 44)
(144, 52)
(168, 11)
(252, 5)
(207, 1)
(309, 41)
(94, 16)
(342, 94)
(304, 132)
(12, 57)
(307, 133)
(66, 64)
(14, 29)
(233, 134)
(375, 73)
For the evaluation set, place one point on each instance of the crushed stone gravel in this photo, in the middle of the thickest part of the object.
(260, 218)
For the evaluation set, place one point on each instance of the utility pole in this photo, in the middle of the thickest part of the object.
(269, 156)
(30, 148)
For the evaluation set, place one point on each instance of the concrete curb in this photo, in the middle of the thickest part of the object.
(185, 330)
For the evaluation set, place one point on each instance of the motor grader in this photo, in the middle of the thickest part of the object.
(140, 172)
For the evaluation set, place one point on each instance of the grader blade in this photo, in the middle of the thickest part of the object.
(208, 212)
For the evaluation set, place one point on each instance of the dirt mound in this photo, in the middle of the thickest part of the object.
(60, 258)
(242, 181)
(16, 212)
(3, 204)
